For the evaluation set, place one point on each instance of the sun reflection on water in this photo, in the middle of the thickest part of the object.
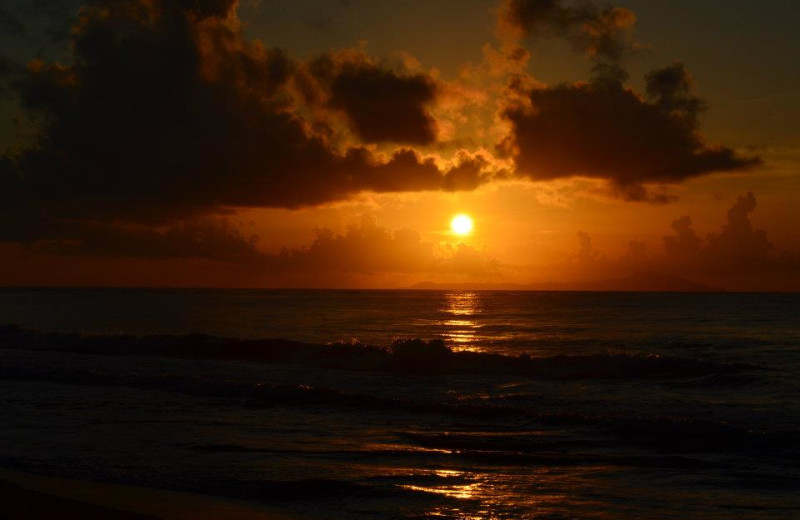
(460, 325)
(461, 491)
(497, 495)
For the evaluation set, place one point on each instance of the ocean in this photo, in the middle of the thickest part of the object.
(413, 404)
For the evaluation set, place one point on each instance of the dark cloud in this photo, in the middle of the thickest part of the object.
(601, 32)
(10, 23)
(640, 193)
(168, 114)
(364, 248)
(671, 89)
(37, 23)
(601, 129)
(380, 104)
(214, 239)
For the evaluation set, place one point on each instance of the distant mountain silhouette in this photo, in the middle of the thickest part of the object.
(647, 281)
(651, 282)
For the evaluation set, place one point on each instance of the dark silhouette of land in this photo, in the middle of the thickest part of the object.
(638, 282)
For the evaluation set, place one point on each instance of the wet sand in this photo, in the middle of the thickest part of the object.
(26, 496)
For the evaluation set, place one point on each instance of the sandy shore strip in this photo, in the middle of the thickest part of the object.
(25, 496)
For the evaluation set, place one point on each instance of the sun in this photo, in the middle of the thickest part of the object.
(461, 224)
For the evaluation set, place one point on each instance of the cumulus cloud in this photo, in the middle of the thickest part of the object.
(368, 248)
(737, 256)
(602, 129)
(683, 247)
(167, 113)
(737, 248)
(380, 104)
(167, 104)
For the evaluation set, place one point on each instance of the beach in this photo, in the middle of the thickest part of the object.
(26, 496)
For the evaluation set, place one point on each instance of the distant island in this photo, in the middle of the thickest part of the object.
(638, 282)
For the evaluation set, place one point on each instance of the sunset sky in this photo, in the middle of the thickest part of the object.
(310, 143)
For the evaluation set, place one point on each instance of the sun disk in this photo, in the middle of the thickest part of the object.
(461, 224)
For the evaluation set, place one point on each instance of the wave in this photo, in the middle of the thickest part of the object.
(501, 454)
(414, 356)
(659, 433)
(645, 429)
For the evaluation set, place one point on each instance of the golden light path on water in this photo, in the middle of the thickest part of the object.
(488, 492)
(461, 326)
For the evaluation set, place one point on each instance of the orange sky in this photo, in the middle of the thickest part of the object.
(309, 144)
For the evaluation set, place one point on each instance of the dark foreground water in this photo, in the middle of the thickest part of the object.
(537, 405)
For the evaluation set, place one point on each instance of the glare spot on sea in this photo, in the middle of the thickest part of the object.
(460, 325)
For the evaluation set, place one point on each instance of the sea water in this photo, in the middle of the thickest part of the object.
(534, 404)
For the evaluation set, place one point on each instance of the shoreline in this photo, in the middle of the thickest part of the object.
(28, 496)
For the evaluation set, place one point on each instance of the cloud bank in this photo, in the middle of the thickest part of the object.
(738, 256)
(368, 248)
(166, 118)
(167, 114)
